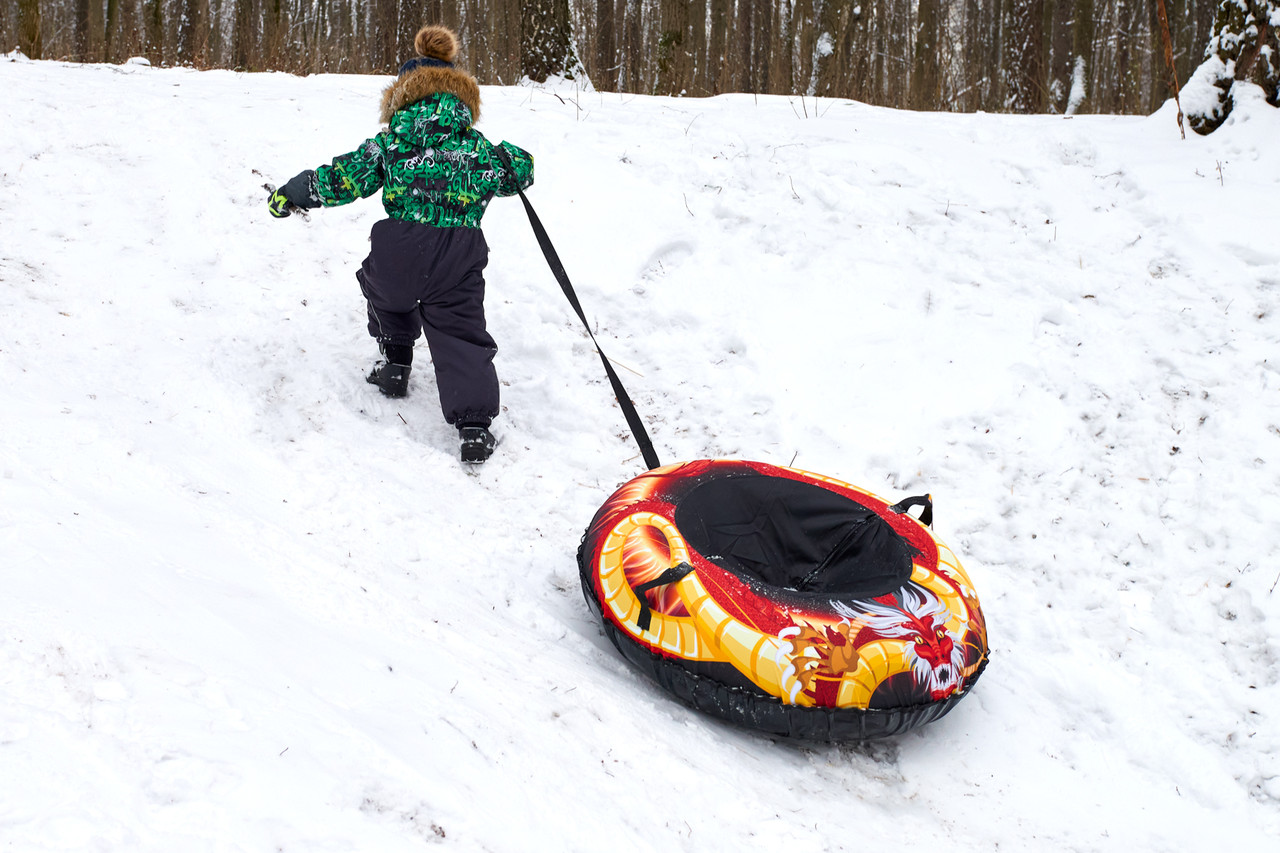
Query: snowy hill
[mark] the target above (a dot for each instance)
(248, 604)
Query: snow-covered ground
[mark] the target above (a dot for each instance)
(250, 605)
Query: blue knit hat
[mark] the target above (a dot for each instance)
(437, 47)
(424, 62)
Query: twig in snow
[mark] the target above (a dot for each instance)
(402, 420)
(623, 366)
(1273, 586)
(1168, 59)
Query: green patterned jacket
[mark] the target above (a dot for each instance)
(433, 167)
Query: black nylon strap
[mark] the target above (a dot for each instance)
(671, 575)
(628, 408)
(926, 501)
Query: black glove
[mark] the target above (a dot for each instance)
(300, 191)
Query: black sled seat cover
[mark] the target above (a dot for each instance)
(784, 600)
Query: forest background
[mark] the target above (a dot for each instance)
(1022, 56)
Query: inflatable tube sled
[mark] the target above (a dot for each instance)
(784, 601)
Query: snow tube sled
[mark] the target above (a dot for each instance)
(784, 601)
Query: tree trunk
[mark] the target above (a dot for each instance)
(546, 43)
(275, 29)
(410, 16)
(831, 49)
(699, 74)
(109, 30)
(971, 80)
(744, 34)
(188, 23)
(632, 47)
(605, 70)
(155, 31)
(762, 47)
(805, 31)
(784, 57)
(242, 34)
(1241, 34)
(1083, 54)
(926, 89)
(718, 47)
(1124, 61)
(1058, 59)
(384, 33)
(1025, 72)
(675, 64)
(84, 39)
(30, 37)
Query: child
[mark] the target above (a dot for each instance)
(425, 270)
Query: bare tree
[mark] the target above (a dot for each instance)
(154, 26)
(718, 46)
(546, 46)
(192, 41)
(926, 80)
(1082, 55)
(109, 30)
(275, 24)
(834, 47)
(30, 35)
(1024, 55)
(82, 48)
(675, 40)
(700, 78)
(1023, 67)
(242, 35)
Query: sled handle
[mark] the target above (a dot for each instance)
(926, 501)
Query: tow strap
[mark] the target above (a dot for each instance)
(628, 408)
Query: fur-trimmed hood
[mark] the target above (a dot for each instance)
(422, 83)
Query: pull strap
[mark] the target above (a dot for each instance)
(926, 501)
(671, 575)
(624, 402)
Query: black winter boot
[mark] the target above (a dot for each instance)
(477, 443)
(392, 379)
(392, 375)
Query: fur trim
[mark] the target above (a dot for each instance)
(425, 82)
(436, 42)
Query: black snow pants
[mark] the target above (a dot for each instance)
(418, 279)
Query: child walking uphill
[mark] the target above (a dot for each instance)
(425, 270)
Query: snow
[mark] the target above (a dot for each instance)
(1078, 88)
(1201, 96)
(251, 605)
